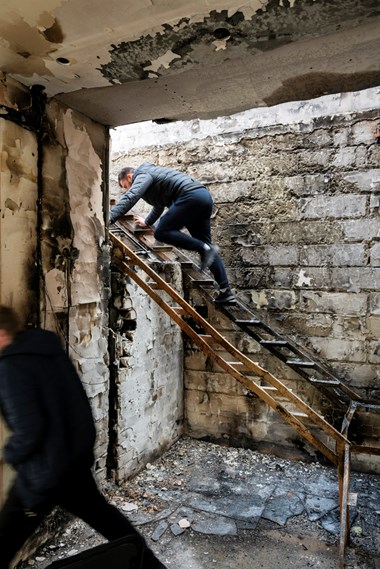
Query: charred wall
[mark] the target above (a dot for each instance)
(296, 194)
(53, 251)
(75, 253)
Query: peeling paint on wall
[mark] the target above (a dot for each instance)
(84, 178)
(303, 279)
(75, 254)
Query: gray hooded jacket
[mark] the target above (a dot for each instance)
(157, 186)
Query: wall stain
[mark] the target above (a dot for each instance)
(54, 34)
(10, 204)
(313, 85)
(31, 44)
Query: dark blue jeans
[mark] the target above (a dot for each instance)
(79, 495)
(192, 210)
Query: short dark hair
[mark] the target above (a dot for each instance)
(9, 320)
(123, 172)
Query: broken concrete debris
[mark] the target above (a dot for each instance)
(200, 495)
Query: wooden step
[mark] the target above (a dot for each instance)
(299, 414)
(154, 285)
(179, 310)
(207, 338)
(162, 248)
(202, 282)
(129, 262)
(237, 365)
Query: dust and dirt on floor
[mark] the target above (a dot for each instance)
(206, 506)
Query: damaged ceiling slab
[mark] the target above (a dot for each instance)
(120, 63)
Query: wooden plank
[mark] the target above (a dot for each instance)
(179, 310)
(154, 285)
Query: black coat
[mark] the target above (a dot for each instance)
(45, 406)
(157, 186)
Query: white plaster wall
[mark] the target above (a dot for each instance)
(150, 381)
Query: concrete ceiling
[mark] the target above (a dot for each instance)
(126, 61)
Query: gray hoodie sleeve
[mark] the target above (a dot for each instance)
(140, 185)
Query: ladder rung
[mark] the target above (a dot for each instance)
(179, 310)
(203, 282)
(207, 338)
(162, 248)
(325, 381)
(299, 414)
(268, 387)
(186, 264)
(154, 285)
(281, 343)
(250, 322)
(300, 363)
(237, 365)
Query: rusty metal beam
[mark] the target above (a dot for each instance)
(344, 473)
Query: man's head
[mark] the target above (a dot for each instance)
(9, 326)
(125, 177)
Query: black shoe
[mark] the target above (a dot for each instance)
(225, 297)
(208, 256)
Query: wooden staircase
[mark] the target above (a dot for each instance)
(137, 248)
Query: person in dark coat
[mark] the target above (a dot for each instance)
(52, 436)
(189, 205)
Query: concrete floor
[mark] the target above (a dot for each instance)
(203, 506)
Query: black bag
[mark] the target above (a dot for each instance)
(124, 553)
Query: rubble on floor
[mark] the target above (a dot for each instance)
(208, 506)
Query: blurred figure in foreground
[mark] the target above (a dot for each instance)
(45, 406)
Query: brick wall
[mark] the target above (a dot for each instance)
(297, 220)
